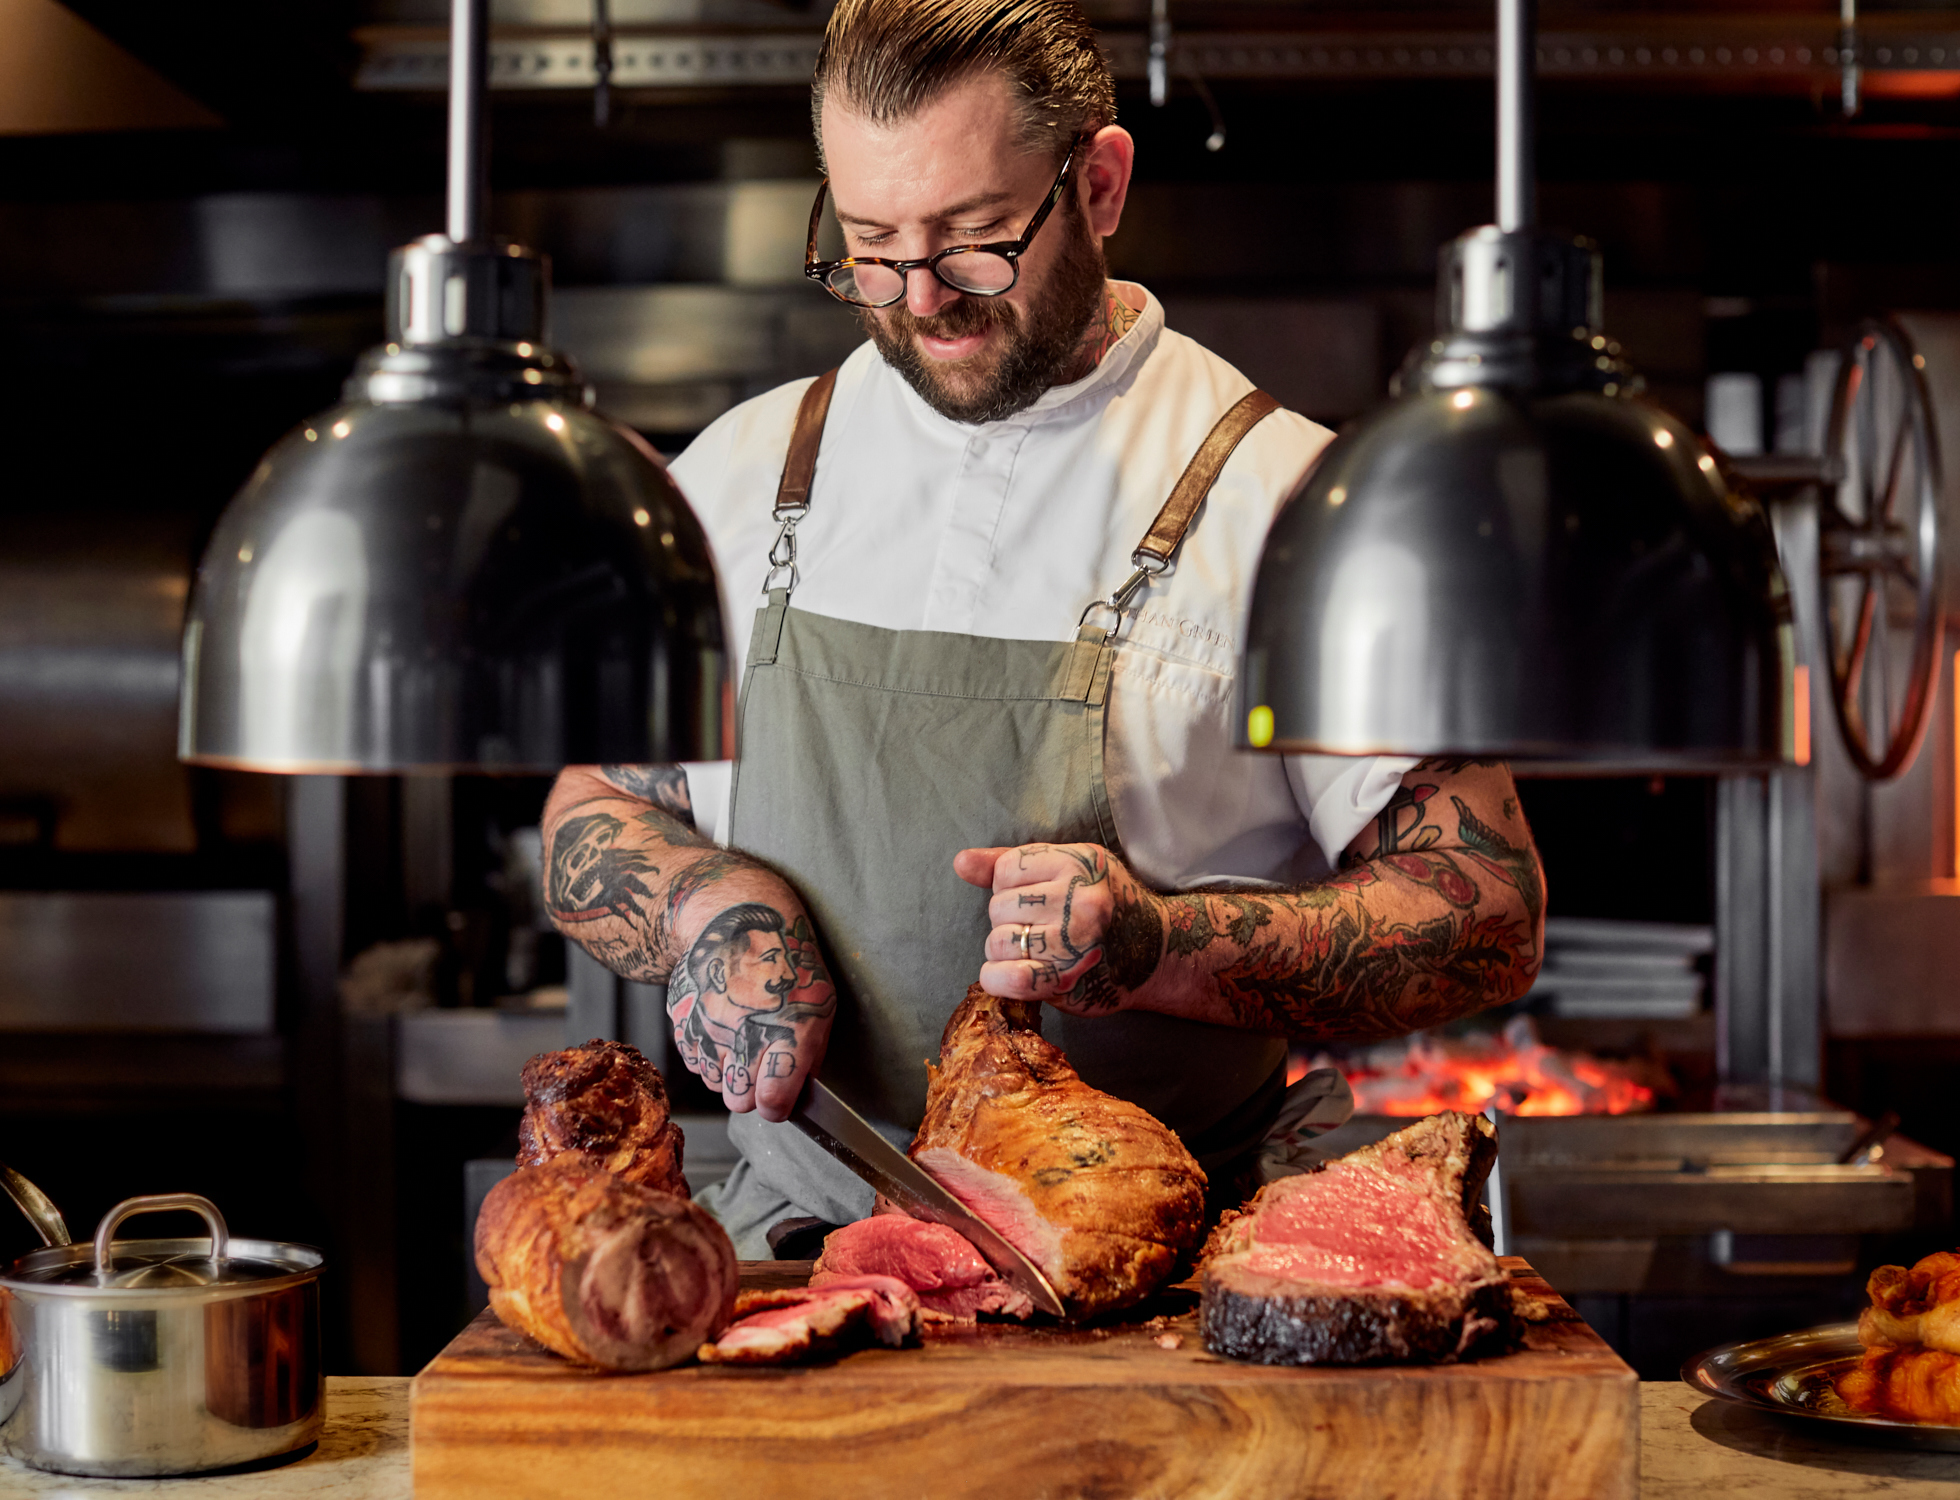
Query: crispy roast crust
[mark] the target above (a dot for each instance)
(605, 1101)
(1266, 1321)
(604, 1271)
(1250, 1315)
(1120, 1199)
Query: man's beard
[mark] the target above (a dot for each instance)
(1034, 352)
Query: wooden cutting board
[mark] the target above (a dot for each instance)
(1013, 1413)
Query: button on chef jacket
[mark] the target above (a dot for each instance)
(1007, 529)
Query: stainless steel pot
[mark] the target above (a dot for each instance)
(144, 1357)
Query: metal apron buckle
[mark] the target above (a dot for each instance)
(782, 553)
(1149, 566)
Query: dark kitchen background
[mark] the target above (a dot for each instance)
(308, 998)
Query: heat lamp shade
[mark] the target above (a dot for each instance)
(425, 585)
(1477, 572)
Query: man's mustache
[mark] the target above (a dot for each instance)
(964, 316)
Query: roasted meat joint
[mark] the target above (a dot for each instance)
(1372, 1259)
(1103, 1198)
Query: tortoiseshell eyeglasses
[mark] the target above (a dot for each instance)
(977, 270)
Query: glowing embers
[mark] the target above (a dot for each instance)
(1511, 1069)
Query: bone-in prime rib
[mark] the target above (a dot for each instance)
(605, 1271)
(1092, 1189)
(1369, 1260)
(954, 1284)
(605, 1101)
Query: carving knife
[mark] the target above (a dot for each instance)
(848, 1136)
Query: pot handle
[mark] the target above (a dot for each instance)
(129, 1208)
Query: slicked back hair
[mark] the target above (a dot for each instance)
(890, 58)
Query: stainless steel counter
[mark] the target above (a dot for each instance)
(1690, 1448)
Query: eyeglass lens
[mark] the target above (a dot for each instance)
(975, 271)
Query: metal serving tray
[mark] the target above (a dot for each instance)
(1795, 1376)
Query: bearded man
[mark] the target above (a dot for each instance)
(1002, 557)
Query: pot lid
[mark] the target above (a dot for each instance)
(150, 1265)
(160, 1265)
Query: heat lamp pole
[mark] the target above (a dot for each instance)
(1517, 66)
(469, 55)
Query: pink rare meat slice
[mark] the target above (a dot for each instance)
(953, 1282)
(777, 1327)
(1347, 1226)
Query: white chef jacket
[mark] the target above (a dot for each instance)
(1008, 528)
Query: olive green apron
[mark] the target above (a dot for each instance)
(868, 758)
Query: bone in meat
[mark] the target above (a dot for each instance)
(1370, 1260)
(1095, 1191)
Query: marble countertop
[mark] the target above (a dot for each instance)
(363, 1455)
(1690, 1448)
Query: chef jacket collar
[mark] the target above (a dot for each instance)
(1061, 401)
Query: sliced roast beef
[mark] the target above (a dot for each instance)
(1370, 1260)
(606, 1102)
(1092, 1189)
(778, 1327)
(605, 1271)
(953, 1282)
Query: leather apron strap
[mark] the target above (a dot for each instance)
(1154, 554)
(800, 468)
(793, 490)
(1160, 542)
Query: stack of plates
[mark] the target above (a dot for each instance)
(1597, 968)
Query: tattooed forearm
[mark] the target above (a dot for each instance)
(748, 992)
(619, 875)
(1196, 920)
(664, 786)
(1351, 973)
(1437, 913)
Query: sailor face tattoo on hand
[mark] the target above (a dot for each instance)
(737, 999)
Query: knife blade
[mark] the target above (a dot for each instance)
(854, 1141)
